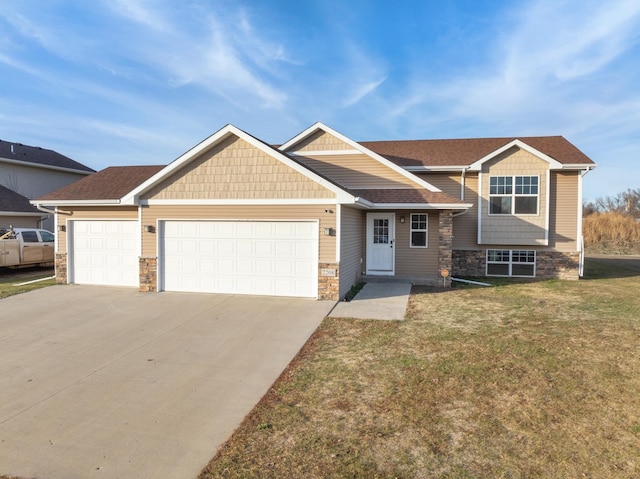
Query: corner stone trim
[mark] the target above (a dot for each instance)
(148, 275)
(328, 282)
(61, 268)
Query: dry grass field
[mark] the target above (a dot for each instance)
(522, 380)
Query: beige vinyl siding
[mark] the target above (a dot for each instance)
(235, 169)
(152, 214)
(465, 226)
(20, 221)
(412, 261)
(515, 229)
(563, 222)
(416, 261)
(351, 247)
(320, 140)
(449, 183)
(357, 171)
(92, 213)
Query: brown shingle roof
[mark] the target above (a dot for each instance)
(10, 201)
(39, 156)
(409, 195)
(109, 184)
(463, 152)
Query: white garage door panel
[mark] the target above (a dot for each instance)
(276, 258)
(104, 253)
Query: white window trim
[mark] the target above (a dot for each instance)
(426, 231)
(510, 263)
(513, 196)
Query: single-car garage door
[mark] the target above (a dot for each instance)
(104, 252)
(274, 258)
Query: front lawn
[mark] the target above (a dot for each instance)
(9, 279)
(520, 380)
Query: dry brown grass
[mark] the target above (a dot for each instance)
(611, 233)
(520, 380)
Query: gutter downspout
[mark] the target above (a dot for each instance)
(462, 184)
(580, 239)
(44, 209)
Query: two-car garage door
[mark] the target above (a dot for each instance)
(275, 258)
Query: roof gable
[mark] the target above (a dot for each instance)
(352, 147)
(233, 169)
(224, 133)
(39, 157)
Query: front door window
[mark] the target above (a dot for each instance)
(380, 231)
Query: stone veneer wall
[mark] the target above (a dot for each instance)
(328, 281)
(445, 243)
(148, 274)
(549, 264)
(61, 268)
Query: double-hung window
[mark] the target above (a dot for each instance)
(418, 234)
(513, 195)
(504, 262)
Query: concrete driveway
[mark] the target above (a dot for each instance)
(111, 383)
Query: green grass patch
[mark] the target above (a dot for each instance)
(9, 279)
(520, 380)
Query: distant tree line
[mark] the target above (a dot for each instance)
(612, 224)
(626, 203)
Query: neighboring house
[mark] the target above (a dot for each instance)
(30, 172)
(320, 212)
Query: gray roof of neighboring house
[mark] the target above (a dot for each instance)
(38, 156)
(13, 202)
(464, 152)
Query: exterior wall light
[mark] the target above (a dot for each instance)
(62, 228)
(149, 229)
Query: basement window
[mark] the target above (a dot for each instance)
(418, 234)
(504, 262)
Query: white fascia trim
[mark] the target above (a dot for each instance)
(480, 206)
(324, 152)
(75, 202)
(414, 206)
(232, 202)
(578, 166)
(131, 197)
(338, 231)
(548, 207)
(361, 149)
(436, 168)
(46, 167)
(553, 164)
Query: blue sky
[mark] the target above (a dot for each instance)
(121, 82)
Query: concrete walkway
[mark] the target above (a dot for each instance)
(104, 383)
(376, 301)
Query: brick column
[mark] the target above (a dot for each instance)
(61, 268)
(328, 281)
(148, 274)
(445, 240)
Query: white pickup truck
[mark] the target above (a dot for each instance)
(20, 247)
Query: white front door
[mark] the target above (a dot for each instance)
(380, 243)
